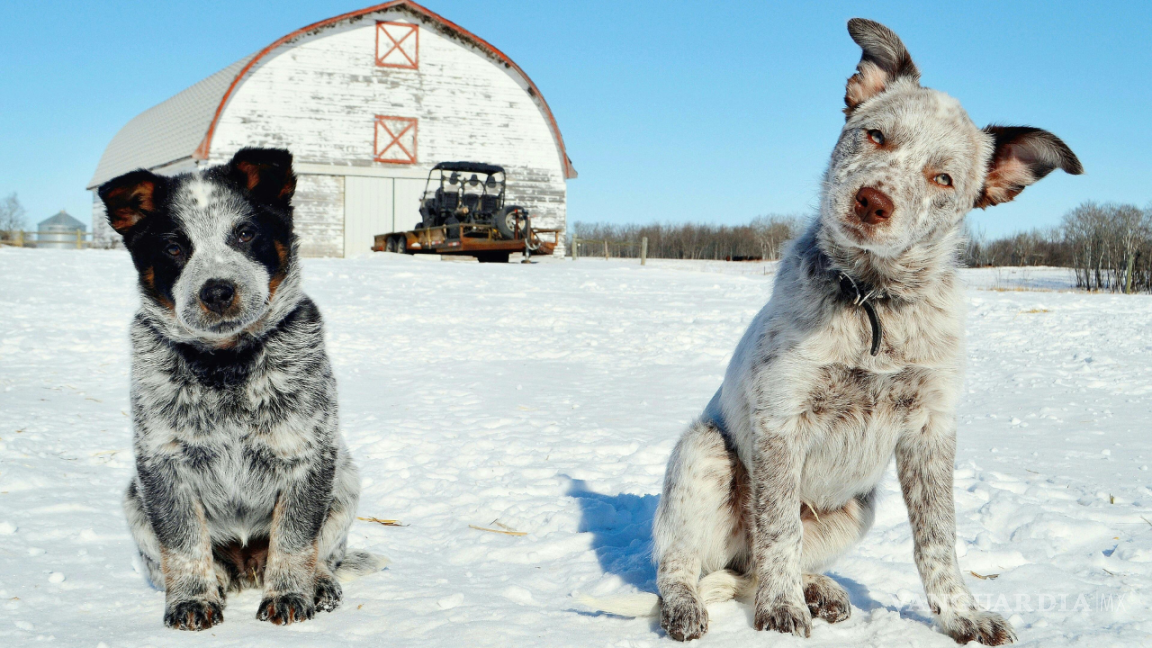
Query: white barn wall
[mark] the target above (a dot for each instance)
(318, 96)
(318, 214)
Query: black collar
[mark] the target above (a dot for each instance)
(855, 292)
(861, 294)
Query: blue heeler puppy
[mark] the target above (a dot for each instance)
(242, 478)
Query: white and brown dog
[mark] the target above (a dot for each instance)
(856, 358)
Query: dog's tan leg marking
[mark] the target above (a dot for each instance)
(290, 573)
(193, 597)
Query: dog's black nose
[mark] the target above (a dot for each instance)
(873, 206)
(217, 295)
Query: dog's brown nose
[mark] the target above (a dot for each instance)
(873, 206)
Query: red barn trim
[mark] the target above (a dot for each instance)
(397, 45)
(394, 135)
(204, 149)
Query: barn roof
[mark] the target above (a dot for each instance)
(183, 126)
(167, 132)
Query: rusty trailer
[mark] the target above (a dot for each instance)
(473, 239)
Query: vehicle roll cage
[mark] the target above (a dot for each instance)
(451, 180)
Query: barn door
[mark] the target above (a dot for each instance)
(407, 206)
(367, 212)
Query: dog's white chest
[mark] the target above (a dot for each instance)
(851, 420)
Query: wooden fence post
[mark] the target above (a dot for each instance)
(575, 247)
(605, 249)
(643, 250)
(79, 240)
(19, 238)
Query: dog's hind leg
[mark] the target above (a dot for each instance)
(141, 529)
(335, 559)
(699, 527)
(827, 535)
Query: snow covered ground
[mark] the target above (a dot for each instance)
(546, 399)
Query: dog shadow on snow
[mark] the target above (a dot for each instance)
(621, 528)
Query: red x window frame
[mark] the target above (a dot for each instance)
(381, 121)
(393, 45)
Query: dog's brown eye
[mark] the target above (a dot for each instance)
(943, 179)
(245, 234)
(173, 250)
(876, 136)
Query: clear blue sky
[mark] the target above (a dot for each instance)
(672, 111)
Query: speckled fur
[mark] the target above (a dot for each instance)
(778, 477)
(242, 478)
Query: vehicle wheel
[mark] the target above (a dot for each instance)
(390, 244)
(400, 245)
(506, 221)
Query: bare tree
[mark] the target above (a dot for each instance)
(11, 216)
(1131, 231)
(773, 231)
(1110, 246)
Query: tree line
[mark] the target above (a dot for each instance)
(1107, 245)
(763, 238)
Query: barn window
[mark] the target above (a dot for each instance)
(395, 140)
(397, 45)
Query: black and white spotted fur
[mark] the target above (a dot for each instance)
(779, 475)
(242, 477)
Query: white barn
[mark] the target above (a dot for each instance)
(367, 102)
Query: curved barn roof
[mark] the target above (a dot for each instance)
(183, 126)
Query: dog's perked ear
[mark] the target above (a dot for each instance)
(130, 198)
(883, 62)
(266, 174)
(1022, 156)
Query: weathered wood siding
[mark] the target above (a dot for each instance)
(318, 96)
(318, 214)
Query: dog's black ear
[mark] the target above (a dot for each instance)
(130, 198)
(1022, 156)
(266, 174)
(884, 61)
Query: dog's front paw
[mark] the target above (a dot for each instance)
(784, 616)
(683, 617)
(193, 615)
(983, 627)
(328, 594)
(826, 599)
(283, 609)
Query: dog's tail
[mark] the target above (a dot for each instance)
(717, 587)
(359, 563)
